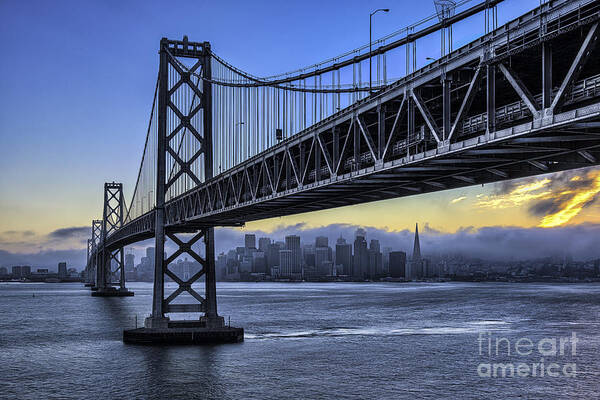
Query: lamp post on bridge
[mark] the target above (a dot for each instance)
(371, 46)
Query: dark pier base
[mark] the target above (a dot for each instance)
(89, 285)
(183, 333)
(111, 292)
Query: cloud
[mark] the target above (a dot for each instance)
(74, 258)
(458, 199)
(71, 232)
(26, 233)
(556, 199)
(498, 243)
(490, 243)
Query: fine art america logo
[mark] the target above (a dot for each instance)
(549, 355)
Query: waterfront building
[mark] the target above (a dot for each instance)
(415, 267)
(343, 256)
(360, 263)
(62, 269)
(292, 243)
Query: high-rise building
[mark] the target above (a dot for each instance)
(272, 256)
(415, 270)
(321, 241)
(263, 244)
(375, 259)
(250, 241)
(286, 268)
(360, 264)
(343, 256)
(129, 262)
(398, 264)
(221, 267)
(259, 262)
(292, 243)
(386, 259)
(322, 262)
(3, 271)
(62, 269)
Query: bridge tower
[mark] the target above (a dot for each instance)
(176, 119)
(89, 272)
(94, 256)
(112, 220)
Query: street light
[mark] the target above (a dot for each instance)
(370, 46)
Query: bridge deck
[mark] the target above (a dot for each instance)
(400, 141)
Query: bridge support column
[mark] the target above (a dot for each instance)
(112, 221)
(176, 118)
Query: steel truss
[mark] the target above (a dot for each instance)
(112, 265)
(96, 256)
(174, 118)
(416, 136)
(483, 113)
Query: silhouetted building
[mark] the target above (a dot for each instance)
(321, 241)
(221, 267)
(415, 267)
(62, 269)
(129, 262)
(250, 241)
(259, 262)
(272, 256)
(322, 262)
(398, 264)
(360, 263)
(292, 243)
(263, 244)
(386, 259)
(375, 259)
(343, 256)
(3, 271)
(22, 271)
(286, 265)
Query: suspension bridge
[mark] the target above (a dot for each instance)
(224, 147)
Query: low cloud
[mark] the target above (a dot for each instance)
(74, 258)
(489, 243)
(71, 232)
(22, 234)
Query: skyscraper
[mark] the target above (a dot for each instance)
(62, 269)
(292, 243)
(375, 259)
(321, 241)
(250, 241)
(343, 256)
(129, 262)
(286, 269)
(263, 244)
(361, 255)
(322, 262)
(398, 264)
(415, 269)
